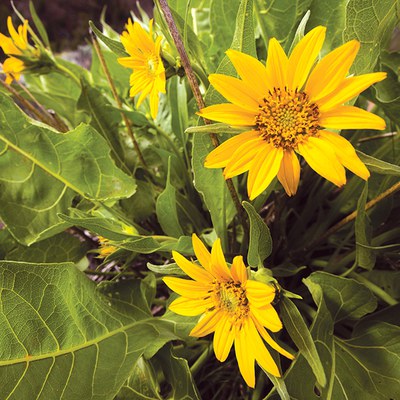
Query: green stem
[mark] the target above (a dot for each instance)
(374, 289)
(204, 356)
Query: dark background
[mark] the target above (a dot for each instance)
(66, 21)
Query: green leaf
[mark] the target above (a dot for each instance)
(141, 385)
(149, 244)
(104, 118)
(166, 209)
(280, 18)
(58, 331)
(260, 244)
(209, 182)
(372, 25)
(389, 281)
(59, 248)
(177, 372)
(299, 333)
(47, 170)
(177, 97)
(365, 256)
(115, 46)
(39, 25)
(344, 297)
(167, 269)
(379, 166)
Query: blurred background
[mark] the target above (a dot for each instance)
(66, 22)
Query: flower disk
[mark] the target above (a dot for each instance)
(289, 105)
(236, 308)
(148, 76)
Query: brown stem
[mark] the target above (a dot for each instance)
(25, 103)
(117, 99)
(196, 90)
(353, 215)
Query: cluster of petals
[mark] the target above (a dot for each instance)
(148, 76)
(291, 105)
(15, 45)
(237, 309)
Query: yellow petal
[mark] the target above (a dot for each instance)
(263, 171)
(220, 156)
(277, 63)
(238, 270)
(348, 89)
(271, 342)
(223, 338)
(235, 91)
(289, 172)
(349, 117)
(230, 114)
(190, 307)
(268, 317)
(321, 157)
(244, 156)
(252, 72)
(194, 271)
(187, 288)
(331, 70)
(259, 294)
(202, 254)
(154, 103)
(245, 354)
(263, 356)
(206, 324)
(218, 262)
(303, 57)
(346, 154)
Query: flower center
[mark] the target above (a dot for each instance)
(151, 65)
(230, 297)
(287, 117)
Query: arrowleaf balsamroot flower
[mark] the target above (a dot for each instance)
(17, 44)
(236, 308)
(290, 104)
(148, 76)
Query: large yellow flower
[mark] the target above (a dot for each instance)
(236, 308)
(148, 76)
(17, 44)
(288, 105)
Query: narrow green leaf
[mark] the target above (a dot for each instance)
(149, 244)
(260, 244)
(379, 166)
(365, 256)
(298, 331)
(39, 25)
(215, 128)
(167, 269)
(115, 46)
(67, 165)
(179, 108)
(279, 385)
(166, 210)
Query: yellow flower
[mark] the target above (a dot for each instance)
(105, 248)
(148, 76)
(17, 45)
(236, 308)
(288, 104)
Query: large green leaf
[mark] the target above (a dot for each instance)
(371, 22)
(210, 182)
(62, 339)
(41, 171)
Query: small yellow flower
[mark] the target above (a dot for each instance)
(105, 248)
(287, 105)
(148, 76)
(236, 308)
(17, 45)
